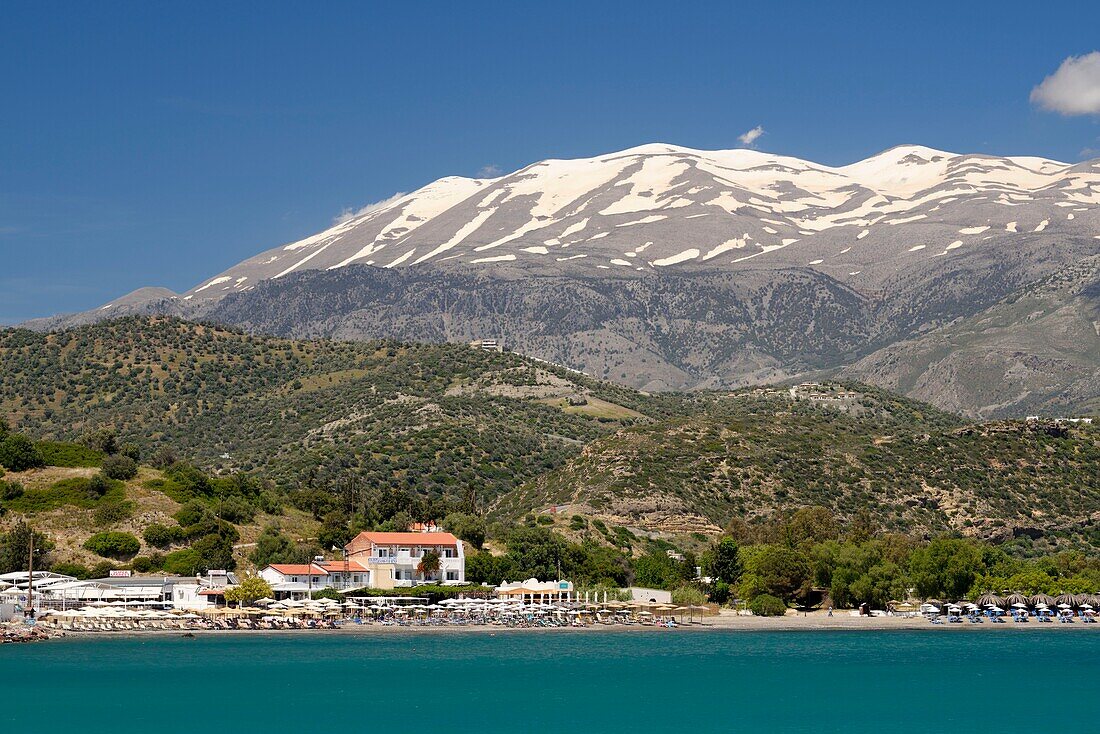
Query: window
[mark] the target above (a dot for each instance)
(450, 553)
(294, 579)
(452, 575)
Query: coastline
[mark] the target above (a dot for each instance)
(727, 622)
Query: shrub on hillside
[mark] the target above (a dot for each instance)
(274, 547)
(192, 513)
(112, 511)
(72, 569)
(120, 467)
(10, 490)
(766, 605)
(145, 564)
(18, 453)
(113, 544)
(467, 527)
(162, 536)
(104, 441)
(98, 485)
(184, 562)
(162, 458)
(58, 453)
(235, 509)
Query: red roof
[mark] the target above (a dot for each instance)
(406, 538)
(212, 592)
(338, 566)
(298, 569)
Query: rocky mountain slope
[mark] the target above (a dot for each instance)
(1035, 352)
(669, 268)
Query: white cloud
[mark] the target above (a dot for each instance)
(350, 213)
(749, 137)
(491, 170)
(1072, 90)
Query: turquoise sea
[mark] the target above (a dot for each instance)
(696, 682)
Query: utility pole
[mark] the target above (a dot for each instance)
(30, 574)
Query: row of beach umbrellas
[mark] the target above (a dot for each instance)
(1019, 601)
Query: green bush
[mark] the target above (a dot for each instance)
(184, 562)
(685, 595)
(766, 605)
(192, 513)
(145, 564)
(104, 441)
(113, 511)
(18, 453)
(719, 592)
(162, 536)
(59, 453)
(120, 467)
(72, 569)
(162, 458)
(10, 490)
(77, 491)
(98, 486)
(235, 510)
(113, 544)
(274, 547)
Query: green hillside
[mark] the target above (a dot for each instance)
(749, 456)
(356, 434)
(443, 420)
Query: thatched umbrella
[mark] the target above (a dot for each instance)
(935, 603)
(987, 599)
(1015, 598)
(1042, 599)
(1068, 599)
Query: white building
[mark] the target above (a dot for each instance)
(55, 591)
(393, 560)
(533, 591)
(297, 580)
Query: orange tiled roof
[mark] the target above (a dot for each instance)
(405, 539)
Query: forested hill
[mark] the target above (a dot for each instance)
(743, 458)
(439, 419)
(510, 436)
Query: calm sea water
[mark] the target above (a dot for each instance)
(579, 682)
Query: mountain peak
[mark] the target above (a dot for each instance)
(658, 205)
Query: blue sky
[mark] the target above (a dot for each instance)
(156, 144)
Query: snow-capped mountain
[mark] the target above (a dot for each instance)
(662, 206)
(972, 281)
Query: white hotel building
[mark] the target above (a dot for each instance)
(376, 561)
(393, 559)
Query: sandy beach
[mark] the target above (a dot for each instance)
(726, 621)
